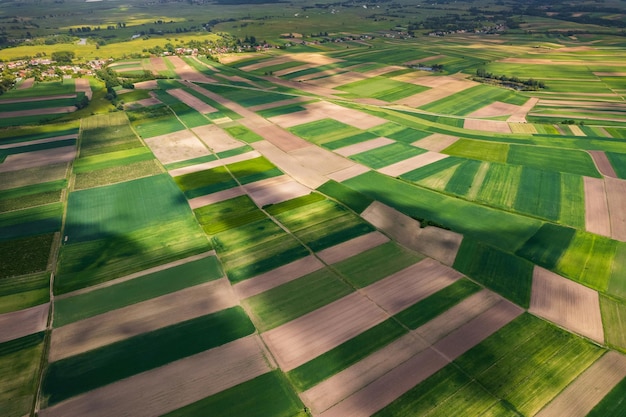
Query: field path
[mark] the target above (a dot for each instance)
(172, 386)
(146, 316)
(579, 398)
(597, 219)
(21, 323)
(566, 303)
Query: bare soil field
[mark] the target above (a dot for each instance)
(351, 117)
(36, 99)
(177, 146)
(352, 247)
(597, 219)
(27, 83)
(439, 244)
(495, 109)
(566, 303)
(83, 86)
(410, 285)
(576, 130)
(320, 159)
(158, 64)
(346, 174)
(192, 101)
(347, 382)
(298, 118)
(363, 146)
(602, 163)
(36, 142)
(278, 276)
(441, 87)
(275, 190)
(283, 139)
(171, 386)
(146, 102)
(520, 115)
(21, 323)
(147, 85)
(37, 112)
(579, 398)
(616, 198)
(384, 70)
(216, 163)
(187, 73)
(487, 125)
(143, 317)
(412, 163)
(610, 74)
(457, 316)
(205, 200)
(216, 138)
(309, 336)
(436, 142)
(41, 158)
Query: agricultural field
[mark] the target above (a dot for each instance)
(302, 210)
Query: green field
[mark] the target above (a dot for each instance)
(323, 131)
(539, 194)
(31, 221)
(555, 159)
(484, 151)
(31, 195)
(472, 99)
(252, 170)
(205, 182)
(613, 404)
(346, 196)
(154, 121)
(618, 161)
(228, 214)
(24, 291)
(387, 155)
(382, 88)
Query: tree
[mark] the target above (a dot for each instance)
(63, 57)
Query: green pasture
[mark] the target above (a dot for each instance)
(70, 309)
(69, 377)
(572, 201)
(243, 134)
(528, 362)
(345, 195)
(538, 71)
(209, 181)
(546, 247)
(616, 132)
(492, 226)
(222, 112)
(406, 135)
(461, 182)
(348, 140)
(427, 309)
(247, 97)
(321, 69)
(115, 174)
(31, 221)
(20, 292)
(236, 151)
(30, 120)
(382, 88)
(618, 161)
(617, 282)
(390, 55)
(228, 214)
(266, 395)
(612, 404)
(254, 248)
(190, 117)
(539, 194)
(134, 95)
(24, 255)
(154, 121)
(20, 360)
(500, 186)
(323, 224)
(31, 195)
(289, 301)
(472, 99)
(294, 203)
(107, 133)
(348, 353)
(42, 89)
(325, 130)
(375, 264)
(387, 155)
(483, 151)
(269, 69)
(505, 273)
(252, 170)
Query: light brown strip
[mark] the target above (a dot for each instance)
(21, 323)
(410, 164)
(597, 218)
(352, 247)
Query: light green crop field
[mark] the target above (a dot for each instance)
(382, 88)
(472, 99)
(205, 182)
(387, 155)
(484, 151)
(325, 130)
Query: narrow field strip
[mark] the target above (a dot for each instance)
(579, 398)
(603, 164)
(275, 190)
(347, 173)
(216, 138)
(21, 323)
(214, 164)
(309, 336)
(35, 159)
(171, 386)
(139, 318)
(410, 285)
(597, 216)
(363, 146)
(348, 116)
(342, 385)
(38, 141)
(217, 197)
(566, 303)
(276, 277)
(352, 247)
(616, 198)
(192, 101)
(487, 125)
(436, 142)
(411, 164)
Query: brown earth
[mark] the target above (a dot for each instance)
(338, 80)
(566, 303)
(192, 101)
(616, 199)
(36, 142)
(579, 398)
(315, 333)
(172, 386)
(21, 323)
(41, 158)
(412, 163)
(82, 85)
(410, 285)
(27, 83)
(216, 138)
(276, 277)
(214, 164)
(150, 315)
(440, 87)
(602, 163)
(147, 85)
(436, 142)
(352, 247)
(495, 109)
(213, 198)
(597, 219)
(350, 117)
(346, 174)
(146, 102)
(297, 118)
(520, 115)
(368, 145)
(487, 125)
(177, 146)
(275, 190)
(188, 73)
(158, 64)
